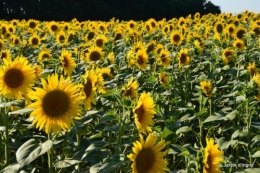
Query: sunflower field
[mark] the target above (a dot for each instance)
(179, 95)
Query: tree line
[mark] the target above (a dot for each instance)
(65, 10)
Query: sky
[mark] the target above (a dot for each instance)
(237, 6)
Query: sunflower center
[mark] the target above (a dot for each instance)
(13, 78)
(66, 62)
(140, 60)
(118, 36)
(209, 163)
(150, 48)
(88, 87)
(183, 58)
(70, 37)
(62, 38)
(132, 25)
(99, 42)
(91, 35)
(163, 58)
(3, 55)
(145, 160)
(128, 92)
(219, 28)
(163, 80)
(54, 28)
(238, 45)
(228, 53)
(16, 41)
(105, 76)
(176, 38)
(35, 41)
(95, 56)
(240, 34)
(55, 103)
(140, 113)
(257, 31)
(32, 25)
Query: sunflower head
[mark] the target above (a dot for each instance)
(206, 87)
(95, 54)
(5, 54)
(144, 113)
(44, 54)
(164, 58)
(252, 68)
(61, 38)
(239, 44)
(141, 59)
(163, 78)
(212, 157)
(219, 27)
(176, 38)
(56, 104)
(67, 61)
(34, 40)
(228, 55)
(183, 57)
(240, 32)
(148, 156)
(100, 40)
(16, 77)
(130, 90)
(53, 27)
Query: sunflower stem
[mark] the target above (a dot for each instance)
(6, 121)
(50, 155)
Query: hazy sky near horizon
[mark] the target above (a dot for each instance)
(237, 6)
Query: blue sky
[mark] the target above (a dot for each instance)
(236, 6)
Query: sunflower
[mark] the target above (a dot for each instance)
(32, 24)
(206, 87)
(5, 54)
(130, 90)
(212, 157)
(53, 27)
(240, 32)
(252, 68)
(163, 78)
(2, 44)
(183, 57)
(176, 38)
(16, 77)
(131, 58)
(150, 47)
(106, 73)
(45, 54)
(56, 104)
(68, 63)
(4, 29)
(111, 57)
(144, 113)
(138, 46)
(159, 48)
(37, 70)
(100, 40)
(131, 24)
(118, 35)
(89, 90)
(90, 35)
(219, 27)
(148, 156)
(239, 44)
(255, 30)
(34, 40)
(94, 54)
(15, 40)
(141, 59)
(165, 58)
(61, 38)
(228, 55)
(70, 37)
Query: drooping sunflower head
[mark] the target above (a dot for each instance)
(56, 104)
(147, 156)
(144, 113)
(252, 68)
(141, 59)
(89, 88)
(130, 90)
(163, 78)
(228, 55)
(16, 77)
(95, 54)
(206, 87)
(183, 57)
(176, 38)
(212, 157)
(67, 61)
(34, 40)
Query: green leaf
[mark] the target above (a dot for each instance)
(214, 118)
(11, 168)
(184, 153)
(257, 154)
(31, 150)
(12, 103)
(201, 112)
(231, 115)
(183, 129)
(166, 132)
(97, 135)
(92, 147)
(252, 170)
(240, 99)
(107, 117)
(256, 125)
(66, 163)
(22, 111)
